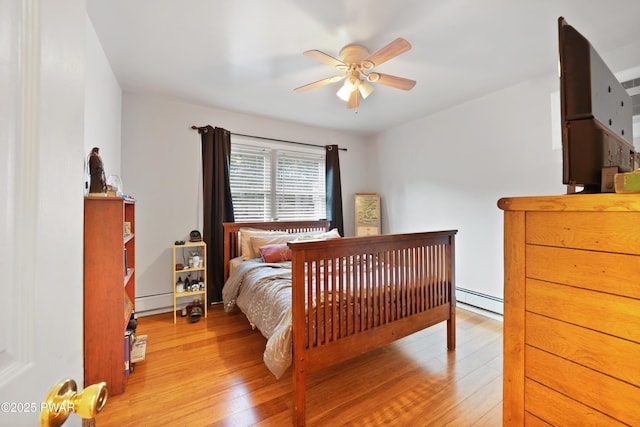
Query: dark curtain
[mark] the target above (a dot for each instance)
(334, 188)
(218, 206)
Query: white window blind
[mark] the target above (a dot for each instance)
(271, 182)
(250, 180)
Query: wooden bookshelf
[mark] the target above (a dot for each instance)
(109, 288)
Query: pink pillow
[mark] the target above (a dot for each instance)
(278, 252)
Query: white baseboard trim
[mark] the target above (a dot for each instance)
(154, 304)
(481, 312)
(158, 304)
(480, 300)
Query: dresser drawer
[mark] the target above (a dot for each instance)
(543, 403)
(582, 385)
(601, 352)
(610, 314)
(602, 271)
(600, 231)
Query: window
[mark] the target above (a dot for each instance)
(271, 181)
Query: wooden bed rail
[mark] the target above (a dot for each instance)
(352, 295)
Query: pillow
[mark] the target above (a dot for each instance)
(278, 252)
(259, 241)
(245, 240)
(332, 234)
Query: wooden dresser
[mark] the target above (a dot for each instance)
(572, 310)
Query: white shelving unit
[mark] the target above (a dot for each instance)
(181, 254)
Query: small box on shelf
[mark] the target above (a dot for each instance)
(628, 182)
(128, 308)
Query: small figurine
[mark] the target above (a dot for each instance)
(96, 170)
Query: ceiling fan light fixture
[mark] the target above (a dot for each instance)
(357, 64)
(344, 92)
(365, 89)
(352, 82)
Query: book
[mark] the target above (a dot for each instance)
(139, 349)
(126, 263)
(127, 352)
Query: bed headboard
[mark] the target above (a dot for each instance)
(232, 234)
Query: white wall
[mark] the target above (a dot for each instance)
(627, 60)
(465, 159)
(103, 107)
(161, 168)
(448, 170)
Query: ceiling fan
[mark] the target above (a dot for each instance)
(356, 65)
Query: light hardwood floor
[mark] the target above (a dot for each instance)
(211, 373)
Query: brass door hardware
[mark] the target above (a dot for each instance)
(64, 399)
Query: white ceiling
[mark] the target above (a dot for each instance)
(246, 55)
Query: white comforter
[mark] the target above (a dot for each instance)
(263, 292)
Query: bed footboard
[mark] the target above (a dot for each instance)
(352, 295)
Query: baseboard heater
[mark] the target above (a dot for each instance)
(480, 300)
(163, 303)
(155, 304)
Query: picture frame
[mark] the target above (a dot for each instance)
(367, 214)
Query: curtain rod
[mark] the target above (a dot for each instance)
(271, 139)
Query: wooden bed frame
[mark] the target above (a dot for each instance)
(374, 290)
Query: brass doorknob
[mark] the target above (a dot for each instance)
(64, 399)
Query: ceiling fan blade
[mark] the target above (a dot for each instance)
(319, 83)
(390, 51)
(354, 99)
(323, 57)
(395, 82)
